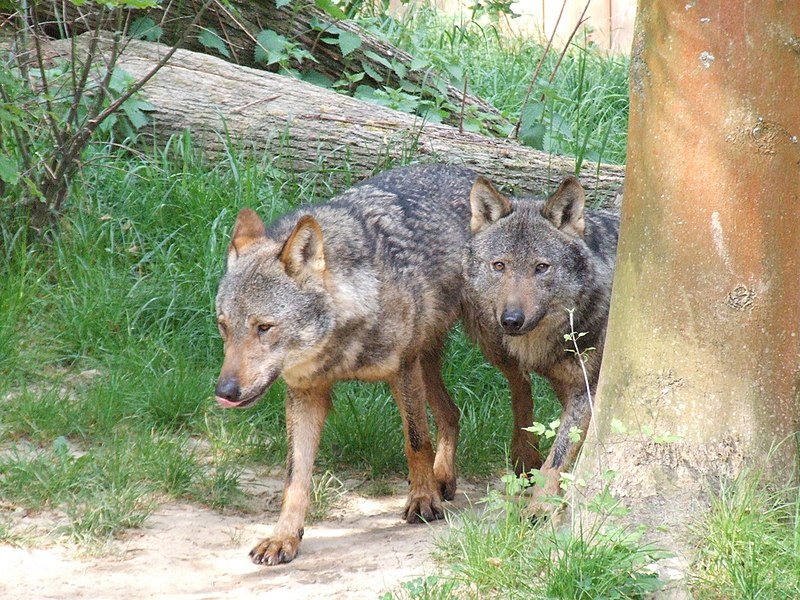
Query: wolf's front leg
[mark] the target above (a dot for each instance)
(524, 445)
(305, 415)
(575, 420)
(424, 498)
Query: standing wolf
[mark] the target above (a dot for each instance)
(528, 263)
(364, 287)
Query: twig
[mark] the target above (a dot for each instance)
(77, 140)
(463, 105)
(57, 133)
(580, 22)
(85, 70)
(239, 109)
(574, 338)
(515, 133)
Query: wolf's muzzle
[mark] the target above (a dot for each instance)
(228, 389)
(512, 320)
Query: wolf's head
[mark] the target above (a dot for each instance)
(272, 307)
(527, 260)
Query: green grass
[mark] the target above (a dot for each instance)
(499, 553)
(749, 542)
(583, 113)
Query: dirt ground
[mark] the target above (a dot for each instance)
(362, 549)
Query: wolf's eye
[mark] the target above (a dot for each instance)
(264, 327)
(498, 266)
(541, 268)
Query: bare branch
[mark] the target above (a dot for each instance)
(580, 22)
(79, 139)
(539, 66)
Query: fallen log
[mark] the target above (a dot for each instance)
(237, 24)
(305, 125)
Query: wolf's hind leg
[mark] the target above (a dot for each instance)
(446, 414)
(424, 498)
(305, 415)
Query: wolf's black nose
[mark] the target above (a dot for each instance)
(512, 320)
(228, 389)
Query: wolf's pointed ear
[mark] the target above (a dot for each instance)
(303, 252)
(248, 230)
(564, 207)
(487, 204)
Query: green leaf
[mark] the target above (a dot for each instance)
(317, 78)
(536, 427)
(329, 7)
(561, 126)
(472, 125)
(271, 47)
(134, 110)
(282, 3)
(399, 69)
(371, 72)
(8, 170)
(120, 81)
(531, 133)
(136, 4)
(365, 92)
(455, 71)
(618, 426)
(419, 62)
(609, 474)
(318, 24)
(537, 477)
(378, 58)
(431, 113)
(349, 42)
(210, 40)
(144, 28)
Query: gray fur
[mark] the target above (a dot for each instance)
(528, 263)
(364, 287)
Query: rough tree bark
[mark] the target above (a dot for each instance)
(305, 124)
(704, 334)
(239, 22)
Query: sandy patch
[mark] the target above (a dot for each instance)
(184, 551)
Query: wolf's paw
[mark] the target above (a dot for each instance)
(546, 499)
(422, 508)
(446, 480)
(274, 551)
(447, 488)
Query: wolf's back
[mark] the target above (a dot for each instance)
(409, 222)
(417, 199)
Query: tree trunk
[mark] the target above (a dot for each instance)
(703, 339)
(305, 125)
(237, 25)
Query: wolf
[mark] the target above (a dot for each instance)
(363, 287)
(538, 274)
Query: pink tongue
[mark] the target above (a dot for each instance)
(226, 403)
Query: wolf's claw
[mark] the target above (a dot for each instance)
(273, 552)
(423, 509)
(448, 489)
